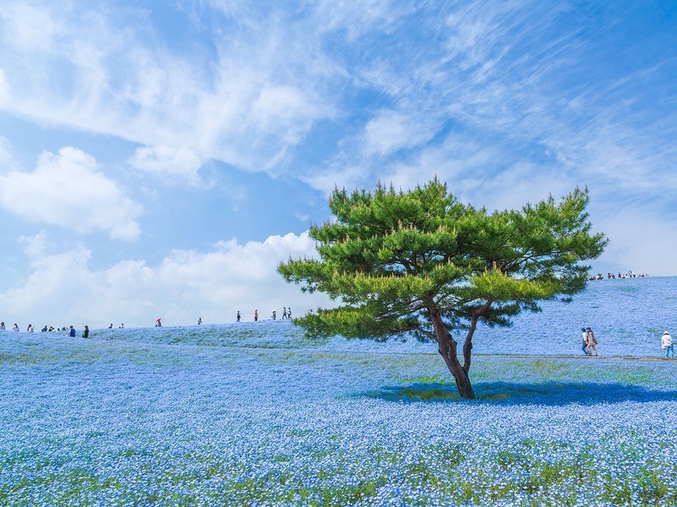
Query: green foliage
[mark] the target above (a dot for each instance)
(393, 259)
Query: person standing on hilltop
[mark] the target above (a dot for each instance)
(256, 315)
(667, 345)
(158, 323)
(238, 317)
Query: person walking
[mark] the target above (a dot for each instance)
(584, 339)
(238, 316)
(592, 342)
(667, 345)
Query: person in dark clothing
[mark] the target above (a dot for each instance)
(86, 332)
(584, 345)
(71, 332)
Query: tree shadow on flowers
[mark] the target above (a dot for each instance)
(517, 393)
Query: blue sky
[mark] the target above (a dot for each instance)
(158, 159)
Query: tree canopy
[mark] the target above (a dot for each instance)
(422, 262)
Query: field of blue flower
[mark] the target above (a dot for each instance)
(256, 414)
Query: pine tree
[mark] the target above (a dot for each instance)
(422, 262)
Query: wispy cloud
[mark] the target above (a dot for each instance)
(261, 94)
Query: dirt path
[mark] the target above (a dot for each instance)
(582, 357)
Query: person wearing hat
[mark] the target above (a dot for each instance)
(585, 342)
(667, 345)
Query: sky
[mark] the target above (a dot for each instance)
(158, 159)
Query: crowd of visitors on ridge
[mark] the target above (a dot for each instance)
(588, 340)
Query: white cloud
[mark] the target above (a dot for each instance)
(26, 26)
(391, 131)
(35, 246)
(173, 165)
(6, 157)
(186, 285)
(67, 190)
(4, 89)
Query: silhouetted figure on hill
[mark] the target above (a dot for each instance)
(238, 316)
(256, 315)
(158, 323)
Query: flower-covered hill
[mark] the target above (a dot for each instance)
(627, 315)
(256, 414)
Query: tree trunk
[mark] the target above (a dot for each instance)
(447, 348)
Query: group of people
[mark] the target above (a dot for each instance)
(589, 342)
(286, 314)
(631, 274)
(46, 329)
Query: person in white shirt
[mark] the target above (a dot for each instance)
(667, 345)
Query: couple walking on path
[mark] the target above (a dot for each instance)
(589, 342)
